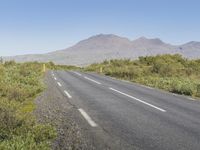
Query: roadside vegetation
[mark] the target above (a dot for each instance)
(20, 84)
(52, 66)
(169, 72)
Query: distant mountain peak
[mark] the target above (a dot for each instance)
(148, 40)
(192, 43)
(142, 38)
(106, 36)
(109, 46)
(157, 41)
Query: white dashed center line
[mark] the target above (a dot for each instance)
(92, 80)
(59, 84)
(68, 95)
(77, 73)
(138, 100)
(87, 118)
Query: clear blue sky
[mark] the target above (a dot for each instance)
(39, 26)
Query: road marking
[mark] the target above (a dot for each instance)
(190, 98)
(92, 80)
(124, 80)
(138, 100)
(59, 84)
(87, 118)
(55, 78)
(77, 73)
(68, 95)
(148, 87)
(180, 96)
(174, 94)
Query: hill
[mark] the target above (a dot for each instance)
(108, 46)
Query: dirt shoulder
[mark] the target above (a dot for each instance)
(52, 107)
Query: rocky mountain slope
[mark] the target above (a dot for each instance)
(107, 46)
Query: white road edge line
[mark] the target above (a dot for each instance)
(190, 98)
(77, 73)
(59, 84)
(68, 95)
(138, 100)
(87, 118)
(148, 87)
(92, 80)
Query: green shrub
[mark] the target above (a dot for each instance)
(20, 84)
(15, 93)
(169, 72)
(26, 142)
(198, 90)
(43, 133)
(8, 120)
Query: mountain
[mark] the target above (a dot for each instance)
(108, 46)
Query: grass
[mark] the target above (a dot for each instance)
(172, 73)
(20, 84)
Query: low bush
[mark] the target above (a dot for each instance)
(169, 72)
(19, 85)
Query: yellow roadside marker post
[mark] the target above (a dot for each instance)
(44, 68)
(101, 69)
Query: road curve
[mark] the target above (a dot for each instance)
(130, 115)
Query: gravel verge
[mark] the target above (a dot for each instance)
(52, 107)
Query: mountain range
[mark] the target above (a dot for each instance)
(108, 46)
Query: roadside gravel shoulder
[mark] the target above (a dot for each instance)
(53, 108)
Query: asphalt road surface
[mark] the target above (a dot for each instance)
(131, 116)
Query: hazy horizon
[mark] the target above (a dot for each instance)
(31, 27)
(53, 50)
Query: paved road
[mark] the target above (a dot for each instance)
(132, 116)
